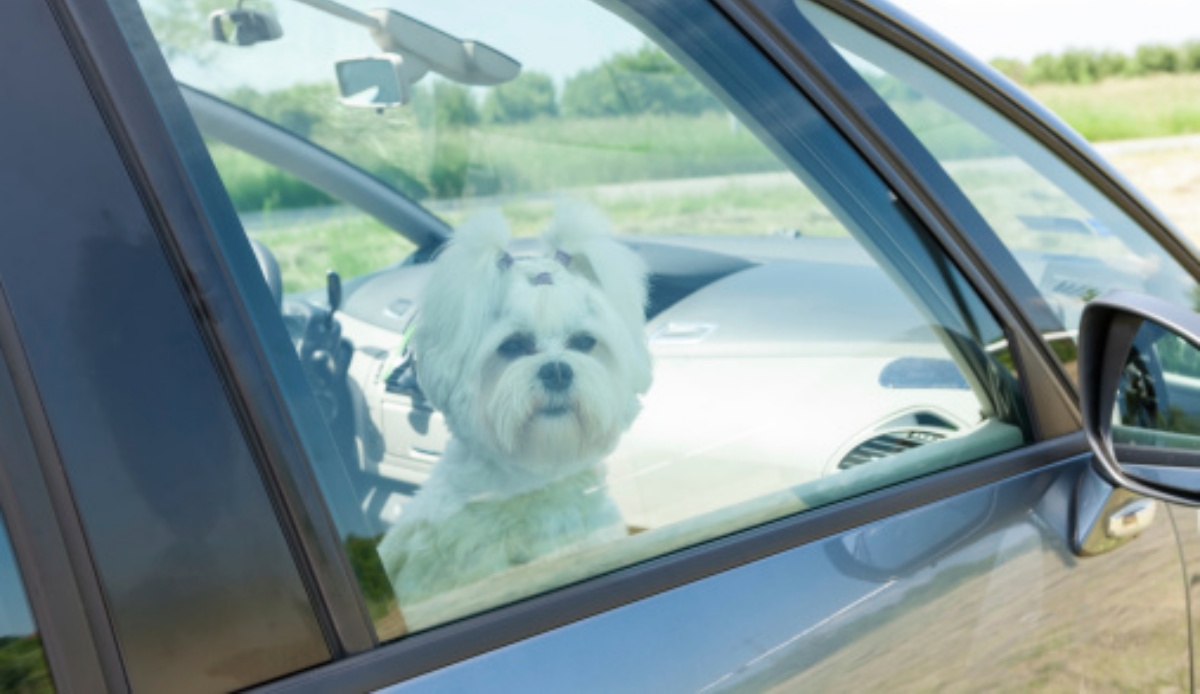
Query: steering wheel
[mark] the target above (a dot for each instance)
(270, 270)
(324, 354)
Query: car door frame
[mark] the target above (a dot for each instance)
(148, 132)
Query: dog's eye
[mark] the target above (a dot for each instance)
(517, 346)
(581, 342)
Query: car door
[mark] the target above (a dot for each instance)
(958, 563)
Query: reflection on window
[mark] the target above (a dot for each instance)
(674, 303)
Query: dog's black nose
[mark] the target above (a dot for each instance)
(556, 376)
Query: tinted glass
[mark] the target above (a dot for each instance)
(637, 296)
(195, 571)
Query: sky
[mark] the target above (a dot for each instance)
(1024, 28)
(564, 36)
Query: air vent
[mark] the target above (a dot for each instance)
(888, 444)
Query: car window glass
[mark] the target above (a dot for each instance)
(631, 295)
(1070, 239)
(22, 661)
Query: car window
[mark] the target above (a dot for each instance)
(1071, 241)
(22, 661)
(611, 289)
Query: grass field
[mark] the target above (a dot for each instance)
(669, 174)
(1126, 109)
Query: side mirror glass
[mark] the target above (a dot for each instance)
(1158, 397)
(1140, 389)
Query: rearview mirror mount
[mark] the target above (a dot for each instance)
(379, 81)
(413, 49)
(465, 61)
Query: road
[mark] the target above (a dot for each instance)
(1167, 171)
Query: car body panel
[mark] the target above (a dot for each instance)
(981, 590)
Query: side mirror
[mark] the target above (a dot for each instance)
(1139, 381)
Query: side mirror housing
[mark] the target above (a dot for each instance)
(1139, 381)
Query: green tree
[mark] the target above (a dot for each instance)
(1156, 58)
(1045, 67)
(1189, 55)
(531, 95)
(299, 108)
(368, 569)
(453, 113)
(1011, 68)
(1111, 64)
(453, 105)
(23, 666)
(632, 83)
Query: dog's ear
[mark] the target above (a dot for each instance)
(467, 276)
(581, 238)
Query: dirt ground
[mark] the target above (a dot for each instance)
(1167, 171)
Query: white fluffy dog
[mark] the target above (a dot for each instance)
(537, 363)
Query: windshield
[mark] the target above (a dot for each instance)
(592, 110)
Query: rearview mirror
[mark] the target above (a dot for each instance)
(414, 49)
(1139, 379)
(243, 27)
(464, 61)
(380, 81)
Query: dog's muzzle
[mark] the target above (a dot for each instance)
(556, 376)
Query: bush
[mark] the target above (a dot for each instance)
(646, 81)
(1085, 66)
(531, 95)
(1156, 58)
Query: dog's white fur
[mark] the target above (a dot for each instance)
(523, 474)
